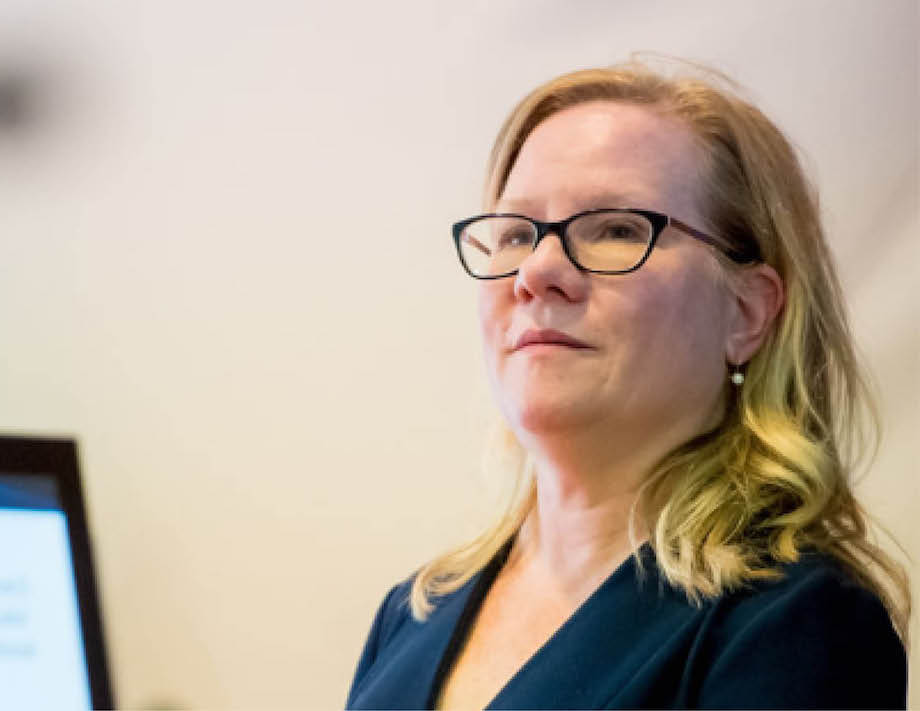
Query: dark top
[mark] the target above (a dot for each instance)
(814, 639)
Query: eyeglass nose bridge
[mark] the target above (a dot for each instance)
(560, 229)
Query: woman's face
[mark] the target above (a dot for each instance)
(656, 337)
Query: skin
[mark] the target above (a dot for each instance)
(596, 420)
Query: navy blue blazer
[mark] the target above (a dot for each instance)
(814, 639)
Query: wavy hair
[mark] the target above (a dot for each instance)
(773, 479)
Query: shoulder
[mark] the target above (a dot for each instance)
(815, 600)
(392, 612)
(815, 638)
(401, 653)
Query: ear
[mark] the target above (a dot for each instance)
(758, 297)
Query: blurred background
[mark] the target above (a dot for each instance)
(225, 267)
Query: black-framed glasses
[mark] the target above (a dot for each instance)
(602, 241)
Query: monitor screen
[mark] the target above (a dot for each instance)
(50, 638)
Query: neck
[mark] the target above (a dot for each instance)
(587, 483)
(580, 520)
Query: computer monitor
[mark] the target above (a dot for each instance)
(51, 643)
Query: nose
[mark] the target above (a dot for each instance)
(547, 272)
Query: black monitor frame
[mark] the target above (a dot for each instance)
(58, 458)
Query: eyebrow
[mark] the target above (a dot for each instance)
(593, 202)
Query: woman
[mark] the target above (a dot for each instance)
(665, 337)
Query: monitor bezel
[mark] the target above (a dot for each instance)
(58, 457)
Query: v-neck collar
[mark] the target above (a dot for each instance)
(476, 594)
(576, 625)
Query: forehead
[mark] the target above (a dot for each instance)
(606, 154)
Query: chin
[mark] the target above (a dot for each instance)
(537, 418)
(537, 401)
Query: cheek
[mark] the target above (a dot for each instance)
(492, 317)
(688, 339)
(644, 313)
(673, 325)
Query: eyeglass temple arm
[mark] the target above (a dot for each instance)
(734, 255)
(469, 239)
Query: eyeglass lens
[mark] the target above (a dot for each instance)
(603, 241)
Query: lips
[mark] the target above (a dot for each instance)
(547, 336)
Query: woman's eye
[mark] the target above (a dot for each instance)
(621, 231)
(514, 239)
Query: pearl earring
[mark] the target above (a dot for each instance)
(737, 376)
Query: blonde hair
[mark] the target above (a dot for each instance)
(773, 478)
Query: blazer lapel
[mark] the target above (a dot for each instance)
(600, 647)
(404, 673)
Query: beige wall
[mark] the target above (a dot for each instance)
(225, 266)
